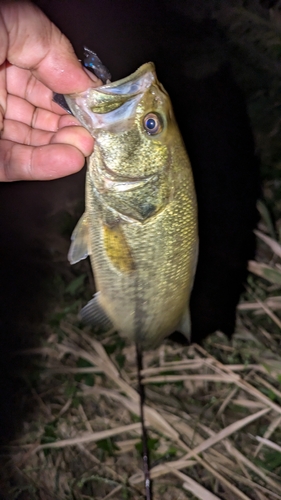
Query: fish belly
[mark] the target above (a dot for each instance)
(146, 302)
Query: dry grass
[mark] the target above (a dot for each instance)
(213, 412)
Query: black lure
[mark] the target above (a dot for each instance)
(92, 62)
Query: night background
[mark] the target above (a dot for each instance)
(220, 63)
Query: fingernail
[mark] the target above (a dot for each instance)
(93, 77)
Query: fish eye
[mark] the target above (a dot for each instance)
(152, 123)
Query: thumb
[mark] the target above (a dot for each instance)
(53, 62)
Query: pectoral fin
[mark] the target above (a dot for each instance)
(117, 248)
(80, 241)
(93, 314)
(184, 325)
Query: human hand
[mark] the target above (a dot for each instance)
(38, 140)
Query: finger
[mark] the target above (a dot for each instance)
(23, 134)
(4, 40)
(20, 82)
(3, 51)
(53, 62)
(76, 136)
(72, 135)
(20, 110)
(3, 92)
(21, 162)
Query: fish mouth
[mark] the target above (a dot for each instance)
(111, 105)
(131, 85)
(106, 179)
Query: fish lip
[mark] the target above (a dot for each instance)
(104, 172)
(143, 71)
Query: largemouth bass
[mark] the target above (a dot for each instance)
(140, 223)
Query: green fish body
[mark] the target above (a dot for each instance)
(140, 223)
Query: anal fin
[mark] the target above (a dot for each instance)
(93, 314)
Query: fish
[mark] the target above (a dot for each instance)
(140, 225)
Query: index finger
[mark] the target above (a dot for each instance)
(21, 83)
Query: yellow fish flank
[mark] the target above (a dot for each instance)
(140, 223)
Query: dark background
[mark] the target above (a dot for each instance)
(191, 58)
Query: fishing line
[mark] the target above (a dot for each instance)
(93, 62)
(145, 450)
